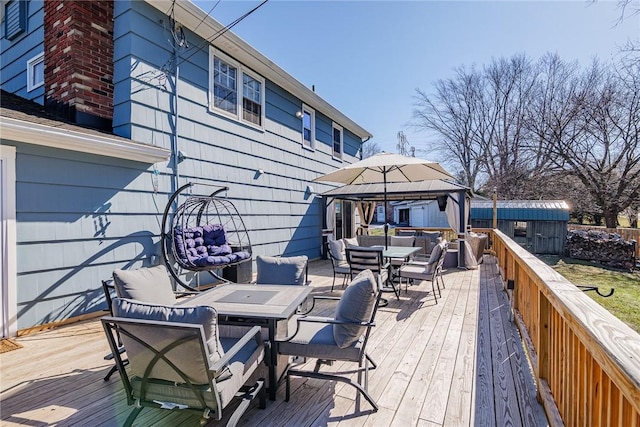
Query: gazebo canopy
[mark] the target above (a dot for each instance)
(420, 190)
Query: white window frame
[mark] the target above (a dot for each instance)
(240, 73)
(337, 155)
(311, 145)
(31, 67)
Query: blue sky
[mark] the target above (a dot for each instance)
(367, 57)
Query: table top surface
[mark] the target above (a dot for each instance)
(252, 301)
(399, 251)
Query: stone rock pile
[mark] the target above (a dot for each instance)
(606, 248)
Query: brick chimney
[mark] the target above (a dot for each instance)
(78, 46)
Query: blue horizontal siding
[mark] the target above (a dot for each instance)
(80, 216)
(15, 53)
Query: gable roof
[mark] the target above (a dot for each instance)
(26, 121)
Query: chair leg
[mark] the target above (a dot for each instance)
(433, 289)
(247, 397)
(334, 280)
(132, 416)
(322, 376)
(112, 371)
(287, 387)
(374, 365)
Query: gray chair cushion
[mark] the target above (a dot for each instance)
(436, 252)
(317, 340)
(336, 247)
(355, 305)
(145, 284)
(281, 270)
(199, 315)
(342, 268)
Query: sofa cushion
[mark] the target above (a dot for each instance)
(350, 241)
(402, 241)
(145, 284)
(281, 270)
(355, 305)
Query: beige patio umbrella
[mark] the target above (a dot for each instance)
(385, 168)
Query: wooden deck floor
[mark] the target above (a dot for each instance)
(457, 363)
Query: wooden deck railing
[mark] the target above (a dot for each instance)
(447, 233)
(586, 361)
(625, 233)
(451, 235)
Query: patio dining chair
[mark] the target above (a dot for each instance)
(148, 284)
(341, 338)
(338, 257)
(292, 270)
(362, 258)
(429, 270)
(179, 361)
(109, 289)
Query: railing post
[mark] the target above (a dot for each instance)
(544, 332)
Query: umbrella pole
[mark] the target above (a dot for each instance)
(386, 224)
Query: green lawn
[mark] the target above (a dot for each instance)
(624, 303)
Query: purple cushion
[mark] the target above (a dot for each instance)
(206, 245)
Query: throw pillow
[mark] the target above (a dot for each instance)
(356, 305)
(145, 284)
(351, 241)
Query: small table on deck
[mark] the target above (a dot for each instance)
(262, 305)
(400, 251)
(403, 252)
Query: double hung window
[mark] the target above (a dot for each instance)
(337, 141)
(308, 127)
(235, 91)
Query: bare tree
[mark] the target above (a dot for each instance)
(508, 162)
(591, 131)
(478, 118)
(452, 114)
(369, 148)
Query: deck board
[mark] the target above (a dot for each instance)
(456, 363)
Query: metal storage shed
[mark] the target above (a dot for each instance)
(540, 226)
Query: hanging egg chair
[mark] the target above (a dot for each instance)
(205, 234)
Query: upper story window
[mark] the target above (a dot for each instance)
(251, 99)
(308, 127)
(337, 141)
(35, 72)
(227, 81)
(15, 18)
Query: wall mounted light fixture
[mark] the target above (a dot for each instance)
(299, 114)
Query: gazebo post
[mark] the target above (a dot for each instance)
(462, 232)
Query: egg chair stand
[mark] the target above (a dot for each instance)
(204, 234)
